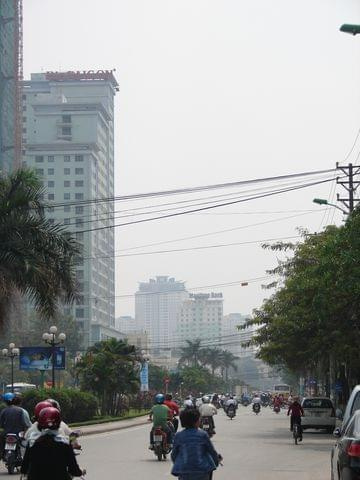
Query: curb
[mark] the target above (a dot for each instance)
(113, 426)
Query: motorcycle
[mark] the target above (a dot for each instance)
(12, 452)
(256, 408)
(231, 412)
(206, 425)
(160, 445)
(276, 409)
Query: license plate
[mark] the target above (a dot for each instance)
(158, 438)
(10, 446)
(206, 427)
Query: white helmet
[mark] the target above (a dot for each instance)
(205, 399)
(188, 403)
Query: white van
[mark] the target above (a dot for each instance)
(19, 387)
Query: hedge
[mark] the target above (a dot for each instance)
(76, 406)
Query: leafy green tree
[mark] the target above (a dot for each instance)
(227, 361)
(36, 257)
(190, 354)
(110, 369)
(211, 357)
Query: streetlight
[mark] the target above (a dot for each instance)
(50, 339)
(11, 353)
(322, 201)
(350, 28)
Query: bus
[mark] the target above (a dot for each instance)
(282, 389)
(20, 387)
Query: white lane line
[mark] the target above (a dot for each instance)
(114, 432)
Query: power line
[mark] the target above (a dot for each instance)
(278, 192)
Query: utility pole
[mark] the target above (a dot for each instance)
(349, 184)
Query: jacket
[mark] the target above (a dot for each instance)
(193, 452)
(295, 410)
(12, 420)
(50, 459)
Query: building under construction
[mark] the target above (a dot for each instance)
(10, 84)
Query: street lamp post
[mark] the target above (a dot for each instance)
(51, 339)
(322, 201)
(144, 374)
(11, 353)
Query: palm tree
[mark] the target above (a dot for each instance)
(227, 362)
(36, 258)
(211, 357)
(190, 354)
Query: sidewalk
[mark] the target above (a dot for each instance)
(111, 426)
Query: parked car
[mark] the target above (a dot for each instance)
(345, 455)
(352, 406)
(319, 413)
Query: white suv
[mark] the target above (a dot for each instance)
(319, 413)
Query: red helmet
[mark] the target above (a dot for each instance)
(49, 418)
(39, 406)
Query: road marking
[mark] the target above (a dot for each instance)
(114, 432)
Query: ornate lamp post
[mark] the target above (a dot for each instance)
(11, 353)
(51, 339)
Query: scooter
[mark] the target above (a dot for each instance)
(160, 446)
(276, 409)
(206, 425)
(12, 452)
(231, 412)
(256, 408)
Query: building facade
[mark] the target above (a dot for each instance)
(157, 304)
(10, 69)
(68, 138)
(200, 317)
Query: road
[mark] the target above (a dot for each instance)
(253, 447)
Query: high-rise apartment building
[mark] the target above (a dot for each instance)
(235, 337)
(10, 88)
(200, 317)
(157, 304)
(69, 140)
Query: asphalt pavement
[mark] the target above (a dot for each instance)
(254, 448)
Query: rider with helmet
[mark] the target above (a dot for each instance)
(12, 419)
(160, 415)
(174, 410)
(230, 402)
(64, 430)
(50, 455)
(207, 409)
(188, 403)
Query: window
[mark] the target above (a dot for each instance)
(79, 209)
(24, 119)
(80, 300)
(79, 158)
(51, 183)
(79, 183)
(51, 196)
(66, 196)
(66, 171)
(50, 158)
(317, 403)
(24, 108)
(66, 131)
(80, 236)
(51, 171)
(67, 183)
(24, 97)
(24, 130)
(39, 158)
(66, 221)
(79, 222)
(51, 209)
(66, 118)
(79, 196)
(79, 171)
(39, 171)
(66, 158)
(79, 312)
(67, 208)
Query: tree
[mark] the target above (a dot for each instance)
(211, 357)
(36, 258)
(190, 354)
(110, 369)
(227, 361)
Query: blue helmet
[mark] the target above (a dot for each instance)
(159, 398)
(8, 397)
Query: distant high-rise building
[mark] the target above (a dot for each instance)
(157, 304)
(235, 337)
(10, 84)
(200, 317)
(69, 141)
(126, 324)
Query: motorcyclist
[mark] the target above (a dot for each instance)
(174, 410)
(50, 455)
(230, 403)
(277, 403)
(256, 401)
(12, 419)
(296, 411)
(207, 409)
(188, 404)
(17, 402)
(159, 415)
(63, 429)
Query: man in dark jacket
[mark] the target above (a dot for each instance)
(296, 411)
(12, 420)
(193, 454)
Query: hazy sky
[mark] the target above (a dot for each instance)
(212, 91)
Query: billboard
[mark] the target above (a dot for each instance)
(40, 358)
(144, 377)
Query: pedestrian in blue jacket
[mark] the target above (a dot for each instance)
(193, 454)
